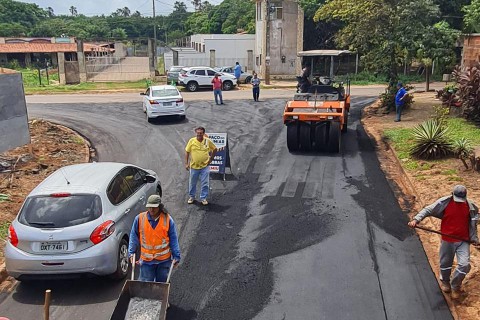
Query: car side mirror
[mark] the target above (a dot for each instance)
(142, 93)
(150, 179)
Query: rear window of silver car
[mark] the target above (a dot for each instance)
(164, 93)
(60, 212)
(175, 69)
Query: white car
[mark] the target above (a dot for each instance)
(78, 221)
(197, 77)
(160, 101)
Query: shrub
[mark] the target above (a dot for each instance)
(440, 114)
(431, 141)
(463, 150)
(468, 80)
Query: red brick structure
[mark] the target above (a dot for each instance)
(471, 50)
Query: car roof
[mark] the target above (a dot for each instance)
(163, 87)
(84, 178)
(201, 68)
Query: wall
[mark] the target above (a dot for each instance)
(471, 50)
(13, 112)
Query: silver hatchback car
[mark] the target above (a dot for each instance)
(78, 220)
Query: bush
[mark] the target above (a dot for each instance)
(468, 80)
(463, 150)
(441, 115)
(431, 141)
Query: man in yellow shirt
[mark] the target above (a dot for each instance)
(200, 151)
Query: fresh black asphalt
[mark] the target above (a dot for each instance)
(286, 236)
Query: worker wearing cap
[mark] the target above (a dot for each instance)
(459, 217)
(154, 231)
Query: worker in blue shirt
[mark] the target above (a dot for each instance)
(155, 233)
(237, 72)
(400, 100)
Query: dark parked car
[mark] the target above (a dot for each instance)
(172, 74)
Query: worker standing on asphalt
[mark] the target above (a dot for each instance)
(459, 217)
(199, 153)
(255, 86)
(154, 231)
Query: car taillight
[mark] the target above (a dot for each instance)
(153, 101)
(60, 195)
(182, 74)
(102, 232)
(180, 100)
(12, 236)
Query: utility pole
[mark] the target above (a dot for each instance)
(267, 39)
(154, 37)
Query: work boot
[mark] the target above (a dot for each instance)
(204, 202)
(456, 294)
(445, 286)
(190, 200)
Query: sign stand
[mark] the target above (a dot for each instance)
(222, 158)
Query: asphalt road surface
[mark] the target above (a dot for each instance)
(286, 236)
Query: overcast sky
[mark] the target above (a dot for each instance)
(99, 7)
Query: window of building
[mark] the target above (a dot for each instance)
(276, 10)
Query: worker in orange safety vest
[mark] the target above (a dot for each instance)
(155, 233)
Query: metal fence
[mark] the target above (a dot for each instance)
(111, 68)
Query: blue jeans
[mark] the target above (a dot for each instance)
(218, 93)
(398, 107)
(157, 272)
(204, 175)
(256, 93)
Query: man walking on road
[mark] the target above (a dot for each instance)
(217, 88)
(237, 72)
(255, 87)
(459, 217)
(154, 231)
(199, 153)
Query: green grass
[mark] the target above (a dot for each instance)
(366, 78)
(88, 86)
(402, 140)
(4, 229)
(31, 78)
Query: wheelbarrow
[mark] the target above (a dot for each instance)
(143, 300)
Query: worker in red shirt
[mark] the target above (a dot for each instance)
(459, 217)
(217, 88)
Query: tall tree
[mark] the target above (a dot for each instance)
(386, 32)
(73, 11)
(472, 16)
(50, 12)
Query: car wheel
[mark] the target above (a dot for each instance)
(182, 117)
(159, 190)
(149, 120)
(144, 109)
(192, 86)
(248, 80)
(227, 85)
(122, 261)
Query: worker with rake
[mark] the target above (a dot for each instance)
(459, 217)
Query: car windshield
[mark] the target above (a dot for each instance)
(60, 212)
(175, 69)
(164, 93)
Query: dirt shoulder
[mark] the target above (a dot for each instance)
(22, 169)
(425, 185)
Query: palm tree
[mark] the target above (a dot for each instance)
(50, 12)
(73, 11)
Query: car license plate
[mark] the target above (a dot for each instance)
(167, 104)
(53, 246)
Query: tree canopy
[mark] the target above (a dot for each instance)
(24, 19)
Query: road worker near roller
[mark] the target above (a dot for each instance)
(155, 233)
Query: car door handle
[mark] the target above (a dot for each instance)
(127, 211)
(141, 199)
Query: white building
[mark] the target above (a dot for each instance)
(215, 50)
(279, 36)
